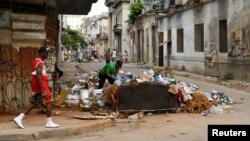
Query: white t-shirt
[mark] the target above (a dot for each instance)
(113, 54)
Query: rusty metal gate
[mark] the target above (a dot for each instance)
(15, 70)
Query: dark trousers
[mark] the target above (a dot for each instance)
(102, 79)
(107, 61)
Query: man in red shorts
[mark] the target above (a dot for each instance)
(40, 89)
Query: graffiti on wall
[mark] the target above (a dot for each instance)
(240, 42)
(14, 86)
(211, 54)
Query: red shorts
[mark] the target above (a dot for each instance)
(37, 99)
(48, 96)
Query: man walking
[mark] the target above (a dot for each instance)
(40, 88)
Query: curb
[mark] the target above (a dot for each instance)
(54, 133)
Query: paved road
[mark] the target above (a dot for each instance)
(97, 66)
(170, 126)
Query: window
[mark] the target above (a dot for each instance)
(161, 37)
(223, 35)
(169, 35)
(169, 44)
(180, 40)
(199, 37)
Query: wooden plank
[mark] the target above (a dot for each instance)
(52, 23)
(27, 43)
(20, 35)
(92, 117)
(28, 26)
(52, 40)
(5, 37)
(5, 18)
(51, 31)
(28, 17)
(51, 45)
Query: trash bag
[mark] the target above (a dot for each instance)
(216, 109)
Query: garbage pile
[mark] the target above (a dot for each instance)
(82, 92)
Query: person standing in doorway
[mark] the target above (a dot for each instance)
(40, 89)
(126, 56)
(108, 57)
(114, 54)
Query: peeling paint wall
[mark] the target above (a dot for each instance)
(18, 48)
(119, 15)
(239, 30)
(148, 47)
(213, 61)
(146, 25)
(125, 32)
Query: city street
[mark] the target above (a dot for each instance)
(170, 126)
(182, 65)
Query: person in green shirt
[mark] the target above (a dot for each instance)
(109, 71)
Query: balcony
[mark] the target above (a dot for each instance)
(118, 2)
(101, 36)
(109, 2)
(117, 28)
(170, 7)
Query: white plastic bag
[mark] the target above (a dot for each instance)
(216, 109)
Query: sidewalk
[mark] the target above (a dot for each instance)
(35, 126)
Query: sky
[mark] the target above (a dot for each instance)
(98, 8)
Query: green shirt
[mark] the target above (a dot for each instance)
(109, 68)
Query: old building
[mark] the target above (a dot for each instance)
(119, 37)
(208, 37)
(89, 32)
(102, 34)
(26, 25)
(143, 34)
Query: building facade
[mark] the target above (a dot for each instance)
(26, 25)
(210, 37)
(119, 37)
(143, 35)
(73, 21)
(88, 31)
(101, 39)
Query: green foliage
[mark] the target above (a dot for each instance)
(85, 42)
(135, 10)
(71, 39)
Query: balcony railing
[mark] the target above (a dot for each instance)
(108, 2)
(117, 28)
(117, 2)
(102, 36)
(166, 6)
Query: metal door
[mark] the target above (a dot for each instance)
(161, 59)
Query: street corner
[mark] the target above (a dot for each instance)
(35, 129)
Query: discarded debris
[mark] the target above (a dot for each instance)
(136, 116)
(82, 93)
(93, 117)
(58, 113)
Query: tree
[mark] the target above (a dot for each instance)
(135, 10)
(71, 39)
